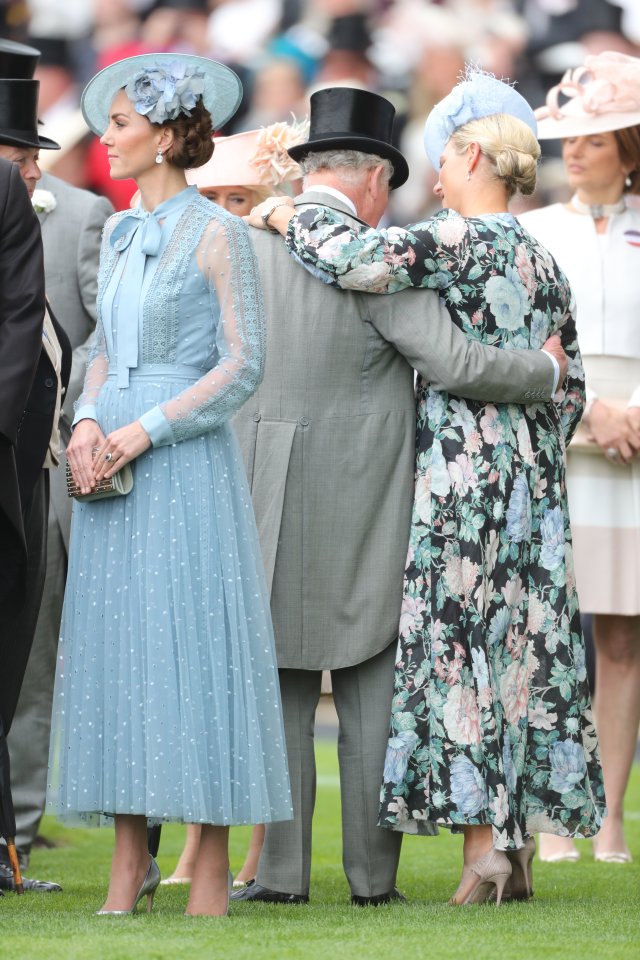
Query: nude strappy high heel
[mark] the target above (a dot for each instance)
(491, 873)
(520, 885)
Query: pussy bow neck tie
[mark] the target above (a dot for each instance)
(146, 229)
(135, 220)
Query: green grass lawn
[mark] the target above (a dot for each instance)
(581, 911)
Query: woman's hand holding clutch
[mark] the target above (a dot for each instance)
(86, 436)
(120, 447)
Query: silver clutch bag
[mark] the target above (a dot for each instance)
(119, 485)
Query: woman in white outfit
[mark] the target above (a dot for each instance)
(595, 238)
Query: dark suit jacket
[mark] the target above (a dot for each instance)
(37, 422)
(21, 315)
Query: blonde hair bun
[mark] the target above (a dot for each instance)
(510, 147)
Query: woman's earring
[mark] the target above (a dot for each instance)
(468, 174)
(159, 156)
(628, 181)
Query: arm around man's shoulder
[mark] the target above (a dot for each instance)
(420, 327)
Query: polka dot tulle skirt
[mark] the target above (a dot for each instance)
(167, 701)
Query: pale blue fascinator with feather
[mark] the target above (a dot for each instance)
(478, 94)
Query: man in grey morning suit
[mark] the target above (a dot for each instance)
(71, 234)
(328, 440)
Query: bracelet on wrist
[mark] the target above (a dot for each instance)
(266, 216)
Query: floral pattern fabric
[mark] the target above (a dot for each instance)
(491, 720)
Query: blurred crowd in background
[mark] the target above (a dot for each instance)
(411, 51)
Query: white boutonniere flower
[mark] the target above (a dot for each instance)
(43, 201)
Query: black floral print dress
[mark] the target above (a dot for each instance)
(491, 720)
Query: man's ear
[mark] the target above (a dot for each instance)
(377, 180)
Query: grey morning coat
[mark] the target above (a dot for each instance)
(328, 442)
(71, 239)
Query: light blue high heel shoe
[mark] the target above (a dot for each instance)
(148, 889)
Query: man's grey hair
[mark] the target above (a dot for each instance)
(350, 164)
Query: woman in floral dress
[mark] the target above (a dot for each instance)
(491, 729)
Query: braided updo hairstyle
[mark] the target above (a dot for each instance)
(192, 143)
(510, 147)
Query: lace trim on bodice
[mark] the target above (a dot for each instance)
(161, 308)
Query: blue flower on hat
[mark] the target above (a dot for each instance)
(165, 91)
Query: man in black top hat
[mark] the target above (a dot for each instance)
(328, 440)
(21, 317)
(20, 143)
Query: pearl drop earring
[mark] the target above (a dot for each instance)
(468, 174)
(159, 156)
(628, 181)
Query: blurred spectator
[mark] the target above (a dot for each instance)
(179, 25)
(277, 90)
(116, 25)
(14, 20)
(240, 29)
(347, 61)
(630, 25)
(410, 50)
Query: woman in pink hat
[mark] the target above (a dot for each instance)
(249, 167)
(595, 238)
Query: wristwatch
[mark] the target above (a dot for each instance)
(277, 202)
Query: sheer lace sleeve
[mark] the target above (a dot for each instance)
(226, 259)
(373, 261)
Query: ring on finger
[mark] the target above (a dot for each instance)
(108, 457)
(612, 453)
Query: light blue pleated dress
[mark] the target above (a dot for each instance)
(167, 701)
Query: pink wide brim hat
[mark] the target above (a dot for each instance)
(257, 158)
(599, 97)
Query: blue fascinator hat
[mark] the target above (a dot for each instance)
(477, 95)
(162, 86)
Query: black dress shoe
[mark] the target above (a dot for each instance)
(253, 891)
(37, 886)
(378, 899)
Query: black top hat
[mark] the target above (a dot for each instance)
(349, 33)
(54, 51)
(17, 60)
(344, 118)
(19, 117)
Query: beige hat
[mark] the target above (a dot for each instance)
(601, 96)
(257, 158)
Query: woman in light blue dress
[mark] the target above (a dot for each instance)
(167, 702)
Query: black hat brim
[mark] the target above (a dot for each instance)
(364, 144)
(21, 138)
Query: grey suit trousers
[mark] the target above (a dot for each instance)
(29, 740)
(370, 854)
